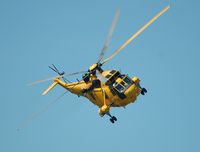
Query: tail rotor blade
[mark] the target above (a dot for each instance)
(55, 68)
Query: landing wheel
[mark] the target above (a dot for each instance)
(114, 118)
(143, 91)
(111, 120)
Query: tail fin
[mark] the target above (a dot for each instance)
(50, 87)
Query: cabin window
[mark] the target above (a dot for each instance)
(112, 76)
(108, 76)
(114, 84)
(122, 76)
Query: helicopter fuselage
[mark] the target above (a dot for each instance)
(116, 90)
(105, 88)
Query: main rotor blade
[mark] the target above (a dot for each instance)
(105, 47)
(136, 34)
(59, 76)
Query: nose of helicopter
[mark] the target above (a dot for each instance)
(133, 91)
(136, 80)
(141, 90)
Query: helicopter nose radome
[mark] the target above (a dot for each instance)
(136, 80)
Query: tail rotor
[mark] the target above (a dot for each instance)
(61, 74)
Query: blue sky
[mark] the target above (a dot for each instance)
(70, 34)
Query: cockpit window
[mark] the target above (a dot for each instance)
(119, 88)
(119, 83)
(128, 81)
(114, 84)
(123, 84)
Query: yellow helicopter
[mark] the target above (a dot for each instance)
(104, 88)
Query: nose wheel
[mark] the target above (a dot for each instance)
(112, 118)
(143, 91)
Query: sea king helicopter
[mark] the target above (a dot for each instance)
(104, 88)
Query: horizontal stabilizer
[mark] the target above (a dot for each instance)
(49, 88)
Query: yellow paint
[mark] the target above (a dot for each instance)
(50, 87)
(98, 95)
